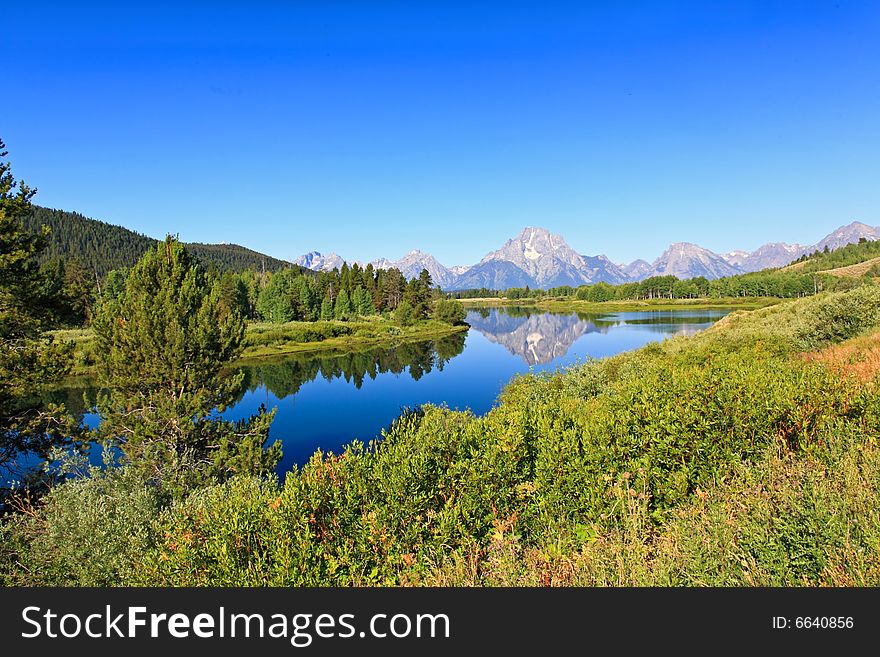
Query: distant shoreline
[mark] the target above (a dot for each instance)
(575, 305)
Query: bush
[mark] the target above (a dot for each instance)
(91, 531)
(405, 314)
(450, 311)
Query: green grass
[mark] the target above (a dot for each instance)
(266, 340)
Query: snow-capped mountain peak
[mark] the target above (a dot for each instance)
(316, 261)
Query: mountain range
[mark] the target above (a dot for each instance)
(535, 258)
(539, 259)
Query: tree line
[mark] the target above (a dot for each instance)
(771, 283)
(343, 294)
(72, 291)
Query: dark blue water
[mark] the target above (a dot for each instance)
(327, 401)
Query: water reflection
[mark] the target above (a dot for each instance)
(283, 378)
(539, 337)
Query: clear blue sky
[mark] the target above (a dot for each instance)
(372, 128)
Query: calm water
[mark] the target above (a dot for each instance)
(325, 402)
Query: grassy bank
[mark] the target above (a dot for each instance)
(567, 304)
(265, 340)
(745, 455)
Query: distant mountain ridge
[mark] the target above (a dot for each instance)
(535, 257)
(538, 258)
(412, 264)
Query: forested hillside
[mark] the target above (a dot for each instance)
(102, 247)
(845, 256)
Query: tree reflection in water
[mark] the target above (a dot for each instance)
(285, 377)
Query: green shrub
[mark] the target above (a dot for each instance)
(91, 531)
(405, 314)
(450, 311)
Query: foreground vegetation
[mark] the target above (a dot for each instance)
(727, 458)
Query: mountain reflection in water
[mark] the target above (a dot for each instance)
(284, 378)
(540, 337)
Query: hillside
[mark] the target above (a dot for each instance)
(844, 257)
(102, 247)
(856, 270)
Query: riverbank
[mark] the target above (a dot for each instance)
(567, 304)
(266, 340)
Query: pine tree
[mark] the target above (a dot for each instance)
(28, 361)
(233, 293)
(308, 301)
(327, 309)
(392, 286)
(162, 346)
(274, 302)
(418, 294)
(343, 309)
(363, 302)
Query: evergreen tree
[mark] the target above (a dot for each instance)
(392, 285)
(233, 293)
(28, 361)
(363, 302)
(327, 309)
(162, 346)
(274, 302)
(308, 300)
(343, 309)
(418, 294)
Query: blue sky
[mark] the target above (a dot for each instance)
(371, 128)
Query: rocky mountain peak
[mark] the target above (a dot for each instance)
(848, 234)
(688, 260)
